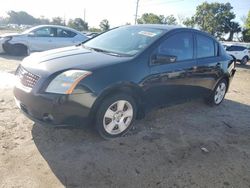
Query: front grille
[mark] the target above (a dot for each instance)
(26, 78)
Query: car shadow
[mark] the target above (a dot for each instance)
(80, 158)
(247, 66)
(10, 57)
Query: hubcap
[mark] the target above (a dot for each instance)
(118, 117)
(220, 93)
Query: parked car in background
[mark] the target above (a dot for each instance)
(239, 53)
(92, 34)
(40, 38)
(119, 75)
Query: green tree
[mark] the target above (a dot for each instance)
(43, 20)
(247, 23)
(214, 18)
(93, 29)
(232, 28)
(21, 18)
(246, 31)
(189, 22)
(150, 18)
(78, 24)
(104, 25)
(170, 20)
(57, 21)
(3, 20)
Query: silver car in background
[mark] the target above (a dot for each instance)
(40, 38)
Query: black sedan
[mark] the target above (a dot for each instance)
(120, 75)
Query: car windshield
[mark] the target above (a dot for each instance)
(28, 30)
(126, 41)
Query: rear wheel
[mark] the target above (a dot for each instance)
(244, 60)
(18, 50)
(219, 93)
(115, 116)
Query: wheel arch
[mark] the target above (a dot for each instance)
(225, 77)
(125, 87)
(247, 56)
(234, 58)
(8, 46)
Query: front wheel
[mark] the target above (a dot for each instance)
(18, 50)
(115, 116)
(219, 93)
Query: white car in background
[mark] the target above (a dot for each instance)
(239, 53)
(40, 38)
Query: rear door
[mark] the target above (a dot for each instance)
(172, 82)
(64, 38)
(209, 63)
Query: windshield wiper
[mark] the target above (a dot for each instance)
(106, 51)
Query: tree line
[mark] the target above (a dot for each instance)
(218, 19)
(23, 18)
(214, 18)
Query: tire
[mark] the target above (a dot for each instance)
(218, 94)
(18, 50)
(244, 60)
(115, 116)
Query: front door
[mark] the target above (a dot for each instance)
(209, 63)
(172, 67)
(42, 39)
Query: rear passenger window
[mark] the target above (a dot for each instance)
(179, 45)
(65, 33)
(205, 47)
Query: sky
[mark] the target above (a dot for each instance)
(118, 12)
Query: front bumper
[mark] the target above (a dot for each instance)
(54, 109)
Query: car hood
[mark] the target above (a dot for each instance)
(75, 57)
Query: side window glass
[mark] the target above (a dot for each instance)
(44, 32)
(230, 48)
(65, 33)
(241, 48)
(205, 47)
(179, 45)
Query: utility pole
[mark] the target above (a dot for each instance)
(136, 12)
(84, 14)
(64, 19)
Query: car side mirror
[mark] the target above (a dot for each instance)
(163, 59)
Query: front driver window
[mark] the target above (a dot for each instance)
(44, 32)
(179, 45)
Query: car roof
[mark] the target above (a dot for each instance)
(168, 28)
(160, 26)
(57, 26)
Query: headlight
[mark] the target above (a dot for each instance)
(65, 82)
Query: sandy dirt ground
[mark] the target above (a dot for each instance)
(188, 145)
